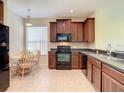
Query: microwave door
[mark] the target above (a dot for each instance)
(62, 38)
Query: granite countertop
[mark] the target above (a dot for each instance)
(113, 62)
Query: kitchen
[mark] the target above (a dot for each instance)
(91, 42)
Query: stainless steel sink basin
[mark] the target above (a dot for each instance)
(108, 58)
(115, 59)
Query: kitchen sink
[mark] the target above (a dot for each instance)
(108, 58)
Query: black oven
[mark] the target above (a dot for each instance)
(63, 57)
(63, 37)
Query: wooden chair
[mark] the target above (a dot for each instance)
(13, 65)
(26, 63)
(37, 57)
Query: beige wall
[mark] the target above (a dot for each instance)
(110, 26)
(15, 24)
(16, 32)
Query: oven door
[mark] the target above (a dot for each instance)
(63, 58)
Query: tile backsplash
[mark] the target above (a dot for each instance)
(72, 44)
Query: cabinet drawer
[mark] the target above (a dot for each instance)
(75, 53)
(95, 62)
(113, 73)
(52, 53)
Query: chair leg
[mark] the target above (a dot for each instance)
(22, 72)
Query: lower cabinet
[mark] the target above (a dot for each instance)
(52, 60)
(75, 60)
(112, 80)
(89, 71)
(94, 73)
(111, 85)
(96, 78)
(78, 60)
(103, 77)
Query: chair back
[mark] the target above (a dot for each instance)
(38, 55)
(27, 56)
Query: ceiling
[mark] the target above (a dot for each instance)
(53, 8)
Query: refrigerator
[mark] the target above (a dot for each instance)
(4, 57)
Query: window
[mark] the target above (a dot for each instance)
(37, 39)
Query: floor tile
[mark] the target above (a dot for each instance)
(43, 79)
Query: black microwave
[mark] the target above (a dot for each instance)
(63, 37)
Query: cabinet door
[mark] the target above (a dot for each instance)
(80, 32)
(74, 61)
(52, 60)
(52, 31)
(89, 30)
(1, 12)
(60, 26)
(74, 32)
(111, 85)
(66, 26)
(96, 78)
(86, 31)
(80, 61)
(89, 71)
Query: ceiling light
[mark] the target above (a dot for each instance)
(71, 11)
(28, 24)
(28, 18)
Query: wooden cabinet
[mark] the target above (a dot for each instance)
(52, 31)
(79, 61)
(89, 70)
(52, 59)
(103, 77)
(77, 31)
(112, 80)
(1, 12)
(63, 25)
(89, 30)
(74, 32)
(74, 60)
(111, 85)
(94, 73)
(80, 65)
(96, 78)
(80, 32)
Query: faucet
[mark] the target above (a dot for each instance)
(109, 49)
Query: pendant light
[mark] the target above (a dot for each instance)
(28, 18)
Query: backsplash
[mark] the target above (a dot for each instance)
(72, 44)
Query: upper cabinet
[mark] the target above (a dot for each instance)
(52, 31)
(77, 31)
(74, 32)
(80, 31)
(63, 25)
(89, 30)
(1, 12)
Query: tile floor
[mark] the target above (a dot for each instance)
(42, 79)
